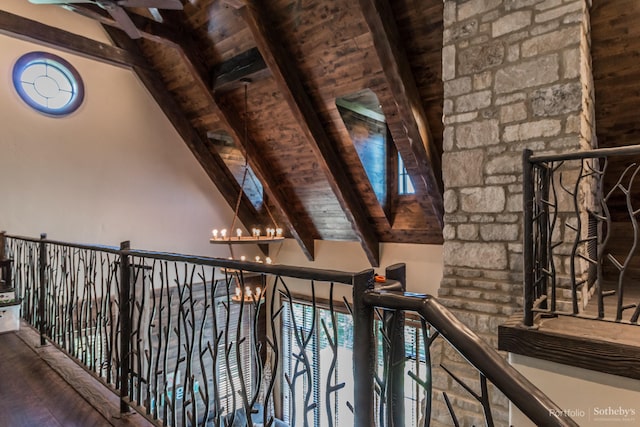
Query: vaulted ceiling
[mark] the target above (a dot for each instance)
(287, 63)
(268, 82)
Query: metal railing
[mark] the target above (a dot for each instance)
(189, 340)
(571, 208)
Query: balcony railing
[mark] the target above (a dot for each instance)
(572, 205)
(189, 340)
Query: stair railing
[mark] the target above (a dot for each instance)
(571, 202)
(188, 340)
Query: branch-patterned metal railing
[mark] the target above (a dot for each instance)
(571, 208)
(196, 341)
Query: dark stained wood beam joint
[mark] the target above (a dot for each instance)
(45, 35)
(242, 66)
(289, 82)
(425, 157)
(212, 164)
(233, 125)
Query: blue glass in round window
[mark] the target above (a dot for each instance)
(48, 83)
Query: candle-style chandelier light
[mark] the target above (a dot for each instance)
(257, 236)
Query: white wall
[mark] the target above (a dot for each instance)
(114, 170)
(424, 262)
(590, 398)
(117, 170)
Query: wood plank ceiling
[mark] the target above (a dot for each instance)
(615, 54)
(300, 57)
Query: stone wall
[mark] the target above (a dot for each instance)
(516, 75)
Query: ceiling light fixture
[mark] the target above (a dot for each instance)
(234, 235)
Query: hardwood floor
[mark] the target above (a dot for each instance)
(34, 392)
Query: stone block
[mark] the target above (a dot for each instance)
(544, 28)
(574, 18)
(450, 201)
(528, 74)
(516, 262)
(482, 80)
(571, 64)
(510, 98)
(473, 101)
(508, 163)
(457, 87)
(553, 41)
(482, 199)
(476, 255)
(449, 232)
(462, 168)
(485, 219)
(557, 99)
(512, 22)
(447, 107)
(448, 62)
(558, 12)
(447, 138)
(460, 118)
(531, 130)
(513, 52)
(500, 179)
(548, 4)
(513, 112)
(468, 232)
(507, 218)
(518, 4)
(455, 219)
(499, 232)
(496, 149)
(476, 7)
(480, 58)
(572, 124)
(461, 31)
(514, 203)
(478, 134)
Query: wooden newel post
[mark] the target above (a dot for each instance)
(42, 267)
(394, 327)
(364, 357)
(125, 324)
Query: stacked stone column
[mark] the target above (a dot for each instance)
(517, 75)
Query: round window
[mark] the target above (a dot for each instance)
(48, 83)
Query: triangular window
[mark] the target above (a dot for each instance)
(235, 161)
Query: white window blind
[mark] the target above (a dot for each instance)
(239, 357)
(301, 317)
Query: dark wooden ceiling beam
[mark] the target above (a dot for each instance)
(290, 84)
(32, 31)
(149, 29)
(212, 164)
(424, 158)
(233, 124)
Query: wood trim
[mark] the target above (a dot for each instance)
(593, 352)
(32, 31)
(290, 84)
(424, 161)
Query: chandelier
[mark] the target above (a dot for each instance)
(257, 236)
